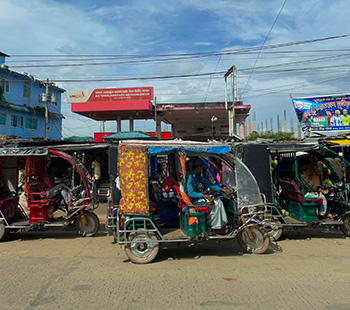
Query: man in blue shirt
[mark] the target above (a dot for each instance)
(216, 218)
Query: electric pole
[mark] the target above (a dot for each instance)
(231, 109)
(46, 110)
(47, 98)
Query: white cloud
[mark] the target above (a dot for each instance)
(179, 26)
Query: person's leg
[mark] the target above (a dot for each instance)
(323, 207)
(53, 191)
(217, 217)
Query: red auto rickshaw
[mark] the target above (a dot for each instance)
(32, 213)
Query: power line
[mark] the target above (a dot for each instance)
(257, 58)
(175, 57)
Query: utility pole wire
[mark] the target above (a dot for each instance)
(257, 57)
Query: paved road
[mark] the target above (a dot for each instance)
(59, 270)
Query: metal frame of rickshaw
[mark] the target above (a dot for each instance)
(312, 150)
(120, 235)
(79, 206)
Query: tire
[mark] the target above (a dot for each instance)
(142, 252)
(2, 230)
(345, 227)
(89, 230)
(260, 243)
(274, 231)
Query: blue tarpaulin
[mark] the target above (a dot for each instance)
(197, 149)
(129, 135)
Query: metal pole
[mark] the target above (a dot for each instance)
(234, 98)
(226, 93)
(46, 110)
(231, 109)
(155, 115)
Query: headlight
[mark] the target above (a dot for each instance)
(83, 194)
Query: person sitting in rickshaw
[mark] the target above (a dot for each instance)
(312, 184)
(46, 183)
(216, 218)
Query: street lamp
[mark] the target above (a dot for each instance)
(213, 120)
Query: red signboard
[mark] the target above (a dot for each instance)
(110, 94)
(122, 94)
(98, 136)
(164, 134)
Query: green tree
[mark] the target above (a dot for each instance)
(275, 136)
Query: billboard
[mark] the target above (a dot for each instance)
(326, 113)
(109, 94)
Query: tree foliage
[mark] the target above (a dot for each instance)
(275, 136)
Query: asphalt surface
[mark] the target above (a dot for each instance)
(60, 270)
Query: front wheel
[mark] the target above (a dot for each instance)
(87, 225)
(141, 250)
(345, 227)
(259, 243)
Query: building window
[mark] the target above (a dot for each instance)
(31, 123)
(26, 91)
(2, 118)
(16, 121)
(5, 85)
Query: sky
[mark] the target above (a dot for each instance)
(110, 43)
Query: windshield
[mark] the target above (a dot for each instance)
(339, 169)
(248, 192)
(228, 176)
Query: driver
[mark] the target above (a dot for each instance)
(216, 218)
(312, 182)
(46, 183)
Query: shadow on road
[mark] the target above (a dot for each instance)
(68, 233)
(312, 233)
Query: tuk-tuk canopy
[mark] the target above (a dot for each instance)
(24, 151)
(292, 148)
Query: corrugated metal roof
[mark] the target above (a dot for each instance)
(127, 135)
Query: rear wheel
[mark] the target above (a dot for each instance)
(259, 243)
(274, 228)
(345, 227)
(2, 230)
(87, 225)
(141, 250)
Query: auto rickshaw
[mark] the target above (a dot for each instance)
(32, 213)
(136, 221)
(276, 168)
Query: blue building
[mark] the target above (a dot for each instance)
(22, 115)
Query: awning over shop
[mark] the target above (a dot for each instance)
(127, 135)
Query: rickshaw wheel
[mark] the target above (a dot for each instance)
(2, 230)
(89, 230)
(260, 243)
(141, 251)
(274, 231)
(346, 225)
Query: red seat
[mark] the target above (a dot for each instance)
(182, 204)
(38, 204)
(291, 191)
(9, 207)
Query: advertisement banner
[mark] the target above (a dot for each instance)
(110, 94)
(326, 113)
